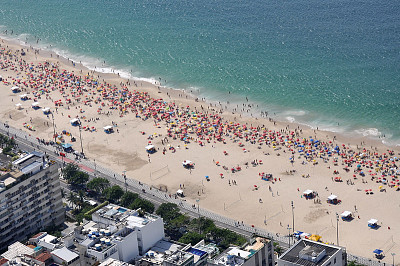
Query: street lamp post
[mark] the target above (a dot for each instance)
(292, 217)
(54, 128)
(289, 234)
(393, 254)
(95, 167)
(126, 185)
(198, 212)
(80, 136)
(337, 229)
(8, 128)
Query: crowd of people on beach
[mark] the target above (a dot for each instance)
(200, 125)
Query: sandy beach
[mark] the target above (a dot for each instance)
(233, 149)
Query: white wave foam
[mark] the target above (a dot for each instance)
(294, 113)
(374, 132)
(290, 119)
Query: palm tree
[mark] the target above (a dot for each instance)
(72, 199)
(80, 199)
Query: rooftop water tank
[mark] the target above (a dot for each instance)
(108, 242)
(102, 240)
(97, 246)
(107, 232)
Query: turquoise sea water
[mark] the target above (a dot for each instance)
(314, 62)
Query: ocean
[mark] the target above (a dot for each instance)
(334, 65)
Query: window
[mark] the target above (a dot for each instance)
(334, 261)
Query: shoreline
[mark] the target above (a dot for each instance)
(127, 153)
(353, 136)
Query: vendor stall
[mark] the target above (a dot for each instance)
(75, 122)
(333, 199)
(180, 193)
(108, 129)
(150, 149)
(46, 110)
(188, 164)
(346, 216)
(373, 223)
(309, 194)
(24, 97)
(67, 147)
(15, 89)
(36, 105)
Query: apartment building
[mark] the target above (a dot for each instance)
(30, 198)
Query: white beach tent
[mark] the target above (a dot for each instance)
(35, 104)
(74, 121)
(373, 221)
(179, 192)
(345, 214)
(23, 96)
(308, 192)
(187, 162)
(18, 106)
(15, 89)
(149, 147)
(46, 110)
(107, 128)
(332, 197)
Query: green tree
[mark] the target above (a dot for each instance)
(128, 198)
(113, 193)
(145, 205)
(79, 179)
(70, 171)
(191, 238)
(72, 199)
(98, 184)
(80, 199)
(168, 211)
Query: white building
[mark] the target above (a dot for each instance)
(259, 253)
(310, 253)
(65, 256)
(120, 233)
(114, 262)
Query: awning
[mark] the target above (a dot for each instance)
(180, 191)
(345, 214)
(66, 145)
(332, 197)
(378, 251)
(149, 147)
(47, 109)
(108, 127)
(308, 191)
(187, 162)
(73, 121)
(372, 221)
(35, 104)
(23, 96)
(15, 88)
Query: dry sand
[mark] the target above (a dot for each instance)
(124, 150)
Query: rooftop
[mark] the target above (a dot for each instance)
(114, 262)
(317, 252)
(118, 214)
(65, 254)
(16, 249)
(180, 258)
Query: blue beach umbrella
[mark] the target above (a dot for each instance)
(378, 251)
